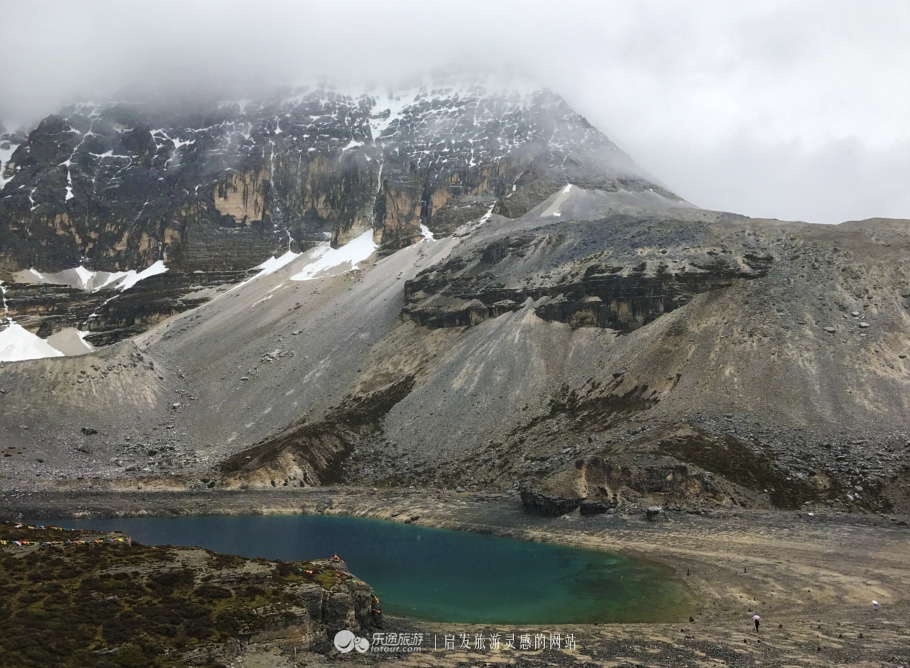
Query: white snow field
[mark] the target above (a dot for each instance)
(335, 261)
(92, 281)
(18, 344)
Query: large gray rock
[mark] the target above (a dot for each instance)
(653, 513)
(547, 503)
(338, 611)
(311, 596)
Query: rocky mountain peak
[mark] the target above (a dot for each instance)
(118, 186)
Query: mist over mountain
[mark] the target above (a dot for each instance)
(225, 184)
(771, 110)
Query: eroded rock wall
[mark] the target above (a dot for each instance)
(223, 186)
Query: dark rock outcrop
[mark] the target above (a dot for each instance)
(110, 315)
(591, 507)
(548, 504)
(307, 454)
(604, 289)
(653, 513)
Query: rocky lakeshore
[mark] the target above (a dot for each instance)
(87, 598)
(810, 575)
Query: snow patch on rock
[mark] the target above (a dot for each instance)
(334, 261)
(270, 266)
(132, 277)
(92, 281)
(5, 155)
(553, 209)
(18, 344)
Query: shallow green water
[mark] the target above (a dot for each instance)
(439, 575)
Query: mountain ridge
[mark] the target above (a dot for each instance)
(121, 187)
(457, 292)
(669, 355)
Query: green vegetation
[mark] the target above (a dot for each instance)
(115, 605)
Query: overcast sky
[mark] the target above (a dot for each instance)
(792, 110)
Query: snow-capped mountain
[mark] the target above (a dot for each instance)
(118, 186)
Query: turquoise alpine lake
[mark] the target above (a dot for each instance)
(440, 575)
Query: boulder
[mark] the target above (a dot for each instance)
(653, 512)
(540, 502)
(595, 507)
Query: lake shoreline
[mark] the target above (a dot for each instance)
(438, 575)
(811, 577)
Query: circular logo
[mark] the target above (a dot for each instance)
(344, 641)
(362, 645)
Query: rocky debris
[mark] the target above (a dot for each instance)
(109, 315)
(733, 394)
(653, 513)
(590, 507)
(312, 453)
(547, 504)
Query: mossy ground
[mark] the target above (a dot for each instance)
(114, 605)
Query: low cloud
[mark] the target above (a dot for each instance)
(796, 110)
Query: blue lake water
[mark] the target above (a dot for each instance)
(440, 575)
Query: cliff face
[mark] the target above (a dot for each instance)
(108, 316)
(224, 186)
(621, 291)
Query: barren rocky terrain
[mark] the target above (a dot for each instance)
(673, 356)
